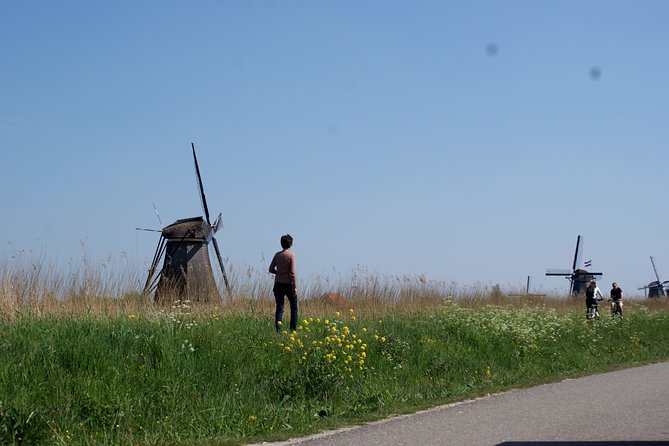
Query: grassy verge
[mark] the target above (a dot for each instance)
(198, 376)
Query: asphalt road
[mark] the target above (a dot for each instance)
(625, 407)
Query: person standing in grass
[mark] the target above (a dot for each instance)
(285, 282)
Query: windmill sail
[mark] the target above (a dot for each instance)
(205, 208)
(652, 261)
(203, 199)
(578, 253)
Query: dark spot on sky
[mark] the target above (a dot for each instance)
(491, 49)
(595, 73)
(333, 129)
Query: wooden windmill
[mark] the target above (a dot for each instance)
(187, 272)
(579, 278)
(657, 287)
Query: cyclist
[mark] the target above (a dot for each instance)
(616, 300)
(591, 310)
(598, 292)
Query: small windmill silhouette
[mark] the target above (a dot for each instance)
(657, 287)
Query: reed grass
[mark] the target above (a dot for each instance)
(113, 287)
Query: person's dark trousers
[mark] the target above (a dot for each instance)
(281, 291)
(590, 302)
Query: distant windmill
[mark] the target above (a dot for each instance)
(527, 292)
(578, 278)
(187, 271)
(656, 288)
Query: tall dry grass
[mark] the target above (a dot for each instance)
(113, 287)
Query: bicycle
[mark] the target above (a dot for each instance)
(592, 312)
(616, 309)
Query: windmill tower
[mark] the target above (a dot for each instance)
(578, 278)
(186, 272)
(657, 287)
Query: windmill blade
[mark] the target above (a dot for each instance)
(571, 286)
(652, 261)
(146, 229)
(220, 262)
(666, 282)
(148, 285)
(159, 219)
(203, 199)
(558, 272)
(217, 223)
(577, 253)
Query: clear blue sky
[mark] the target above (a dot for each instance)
(466, 141)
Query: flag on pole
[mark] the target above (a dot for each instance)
(587, 263)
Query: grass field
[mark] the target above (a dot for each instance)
(90, 361)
